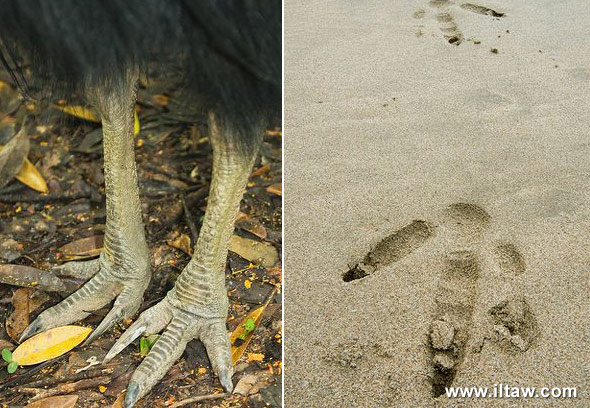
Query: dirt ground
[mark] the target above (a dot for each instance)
(41, 230)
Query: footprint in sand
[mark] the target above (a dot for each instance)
(391, 249)
(444, 14)
(463, 229)
(456, 293)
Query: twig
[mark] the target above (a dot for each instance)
(197, 399)
(19, 379)
(66, 388)
(91, 373)
(18, 198)
(42, 246)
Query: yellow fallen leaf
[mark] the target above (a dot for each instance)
(80, 112)
(241, 336)
(136, 125)
(89, 114)
(276, 188)
(247, 284)
(102, 388)
(255, 357)
(274, 133)
(202, 370)
(30, 176)
(49, 344)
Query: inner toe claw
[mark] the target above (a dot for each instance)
(133, 332)
(32, 329)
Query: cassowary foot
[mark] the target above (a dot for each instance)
(111, 281)
(181, 326)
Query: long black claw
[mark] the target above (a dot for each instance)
(131, 395)
(31, 330)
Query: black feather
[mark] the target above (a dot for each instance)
(229, 50)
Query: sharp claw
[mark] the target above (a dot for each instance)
(133, 332)
(110, 319)
(131, 394)
(31, 330)
(225, 379)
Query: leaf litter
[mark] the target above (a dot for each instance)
(44, 230)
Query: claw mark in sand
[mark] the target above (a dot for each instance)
(515, 325)
(511, 261)
(456, 294)
(481, 10)
(446, 20)
(418, 15)
(391, 249)
(449, 28)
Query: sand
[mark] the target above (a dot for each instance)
(387, 122)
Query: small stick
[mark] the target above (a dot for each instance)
(197, 399)
(65, 388)
(19, 379)
(17, 198)
(91, 373)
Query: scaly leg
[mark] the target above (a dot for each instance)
(123, 269)
(196, 308)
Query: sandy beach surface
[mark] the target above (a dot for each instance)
(487, 145)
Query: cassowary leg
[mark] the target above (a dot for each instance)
(196, 308)
(122, 271)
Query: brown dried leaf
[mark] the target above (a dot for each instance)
(254, 251)
(18, 320)
(59, 401)
(119, 401)
(253, 226)
(29, 277)
(5, 344)
(183, 242)
(84, 248)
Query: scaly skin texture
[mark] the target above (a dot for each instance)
(196, 308)
(122, 270)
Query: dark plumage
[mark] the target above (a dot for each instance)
(229, 51)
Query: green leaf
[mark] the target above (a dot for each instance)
(144, 349)
(12, 367)
(6, 355)
(146, 343)
(249, 325)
